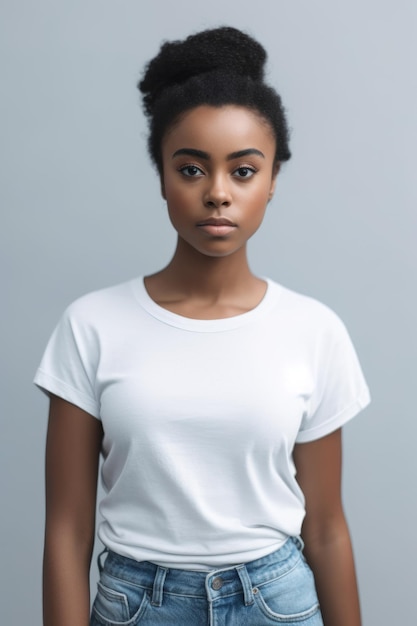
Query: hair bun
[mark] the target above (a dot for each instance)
(223, 49)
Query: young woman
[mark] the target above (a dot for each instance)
(215, 397)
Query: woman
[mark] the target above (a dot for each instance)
(216, 397)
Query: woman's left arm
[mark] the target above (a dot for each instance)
(325, 533)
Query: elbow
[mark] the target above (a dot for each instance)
(321, 531)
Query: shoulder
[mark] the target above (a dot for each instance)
(305, 313)
(102, 304)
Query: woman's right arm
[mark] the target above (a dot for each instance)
(72, 460)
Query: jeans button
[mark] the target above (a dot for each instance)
(217, 583)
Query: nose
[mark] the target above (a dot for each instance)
(217, 193)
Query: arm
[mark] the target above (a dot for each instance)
(72, 455)
(325, 533)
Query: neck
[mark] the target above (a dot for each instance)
(195, 273)
(206, 287)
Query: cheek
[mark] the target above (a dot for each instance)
(177, 193)
(259, 216)
(256, 212)
(259, 201)
(174, 198)
(179, 207)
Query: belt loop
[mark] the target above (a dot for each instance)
(299, 543)
(99, 565)
(246, 584)
(158, 586)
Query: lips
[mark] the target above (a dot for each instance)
(216, 221)
(217, 226)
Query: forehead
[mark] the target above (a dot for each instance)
(219, 130)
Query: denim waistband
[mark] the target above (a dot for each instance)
(214, 583)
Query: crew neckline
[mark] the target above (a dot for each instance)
(197, 325)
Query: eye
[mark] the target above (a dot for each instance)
(244, 172)
(190, 171)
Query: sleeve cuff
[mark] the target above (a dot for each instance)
(336, 422)
(48, 384)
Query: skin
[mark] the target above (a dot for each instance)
(72, 456)
(217, 163)
(325, 532)
(209, 276)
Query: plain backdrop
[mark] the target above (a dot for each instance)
(81, 209)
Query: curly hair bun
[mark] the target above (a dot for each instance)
(224, 49)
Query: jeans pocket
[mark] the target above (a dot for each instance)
(290, 599)
(118, 603)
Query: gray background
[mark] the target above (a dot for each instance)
(81, 209)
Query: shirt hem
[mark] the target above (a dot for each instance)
(198, 564)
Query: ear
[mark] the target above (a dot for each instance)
(161, 180)
(275, 171)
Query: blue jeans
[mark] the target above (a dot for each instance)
(275, 589)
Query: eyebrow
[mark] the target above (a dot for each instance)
(205, 155)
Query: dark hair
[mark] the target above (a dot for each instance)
(214, 67)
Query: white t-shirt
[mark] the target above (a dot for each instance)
(200, 417)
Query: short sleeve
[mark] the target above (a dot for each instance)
(69, 364)
(340, 390)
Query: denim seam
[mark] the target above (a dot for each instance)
(270, 580)
(129, 582)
